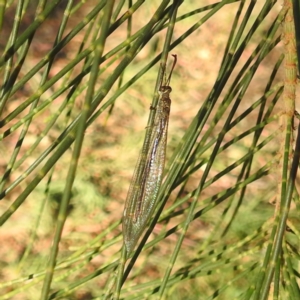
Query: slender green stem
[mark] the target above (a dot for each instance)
(121, 268)
(77, 150)
(286, 147)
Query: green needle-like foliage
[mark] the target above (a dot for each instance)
(77, 81)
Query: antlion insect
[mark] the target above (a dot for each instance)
(147, 177)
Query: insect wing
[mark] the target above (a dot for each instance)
(147, 178)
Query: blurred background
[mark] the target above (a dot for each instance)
(46, 54)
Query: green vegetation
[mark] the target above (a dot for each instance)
(77, 81)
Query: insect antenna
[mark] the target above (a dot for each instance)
(173, 66)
